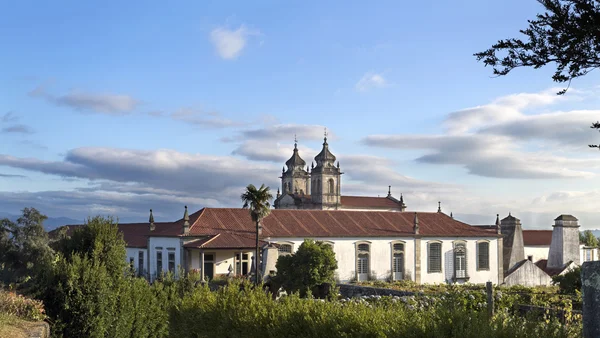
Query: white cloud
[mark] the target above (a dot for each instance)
(105, 103)
(370, 81)
(230, 43)
(500, 140)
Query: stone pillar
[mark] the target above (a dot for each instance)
(590, 287)
(500, 261)
(270, 256)
(418, 260)
(202, 265)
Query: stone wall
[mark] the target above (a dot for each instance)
(351, 291)
(528, 274)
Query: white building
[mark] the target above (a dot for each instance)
(372, 237)
(427, 247)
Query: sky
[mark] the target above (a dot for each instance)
(115, 108)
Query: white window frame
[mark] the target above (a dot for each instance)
(460, 248)
(393, 252)
(284, 253)
(358, 253)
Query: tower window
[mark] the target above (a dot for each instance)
(331, 186)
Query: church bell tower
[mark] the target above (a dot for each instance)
(326, 179)
(295, 179)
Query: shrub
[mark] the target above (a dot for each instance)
(21, 307)
(570, 282)
(313, 264)
(230, 312)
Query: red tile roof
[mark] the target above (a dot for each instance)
(356, 201)
(368, 202)
(537, 237)
(135, 234)
(542, 264)
(325, 223)
(233, 228)
(225, 240)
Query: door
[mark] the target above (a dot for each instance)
(209, 266)
(363, 267)
(398, 266)
(241, 264)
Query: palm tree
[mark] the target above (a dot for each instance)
(258, 202)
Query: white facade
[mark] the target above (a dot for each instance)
(167, 249)
(587, 254)
(381, 258)
(537, 252)
(138, 259)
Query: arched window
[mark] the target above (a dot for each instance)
(460, 260)
(397, 260)
(285, 249)
(483, 255)
(331, 186)
(363, 261)
(434, 256)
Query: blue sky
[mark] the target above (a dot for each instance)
(118, 108)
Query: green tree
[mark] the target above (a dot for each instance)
(24, 247)
(587, 237)
(100, 240)
(257, 200)
(313, 264)
(570, 282)
(88, 291)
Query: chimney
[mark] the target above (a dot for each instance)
(513, 246)
(186, 222)
(151, 221)
(564, 247)
(416, 224)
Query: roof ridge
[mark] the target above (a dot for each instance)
(210, 239)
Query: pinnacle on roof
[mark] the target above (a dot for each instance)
(151, 220)
(439, 206)
(186, 217)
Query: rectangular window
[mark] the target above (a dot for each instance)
(131, 263)
(141, 263)
(483, 256)
(171, 261)
(435, 257)
(588, 255)
(159, 263)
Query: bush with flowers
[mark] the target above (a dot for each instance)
(19, 306)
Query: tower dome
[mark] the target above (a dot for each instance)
(295, 162)
(325, 158)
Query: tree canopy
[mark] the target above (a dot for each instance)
(257, 200)
(567, 35)
(587, 237)
(24, 247)
(313, 264)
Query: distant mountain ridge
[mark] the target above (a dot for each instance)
(49, 224)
